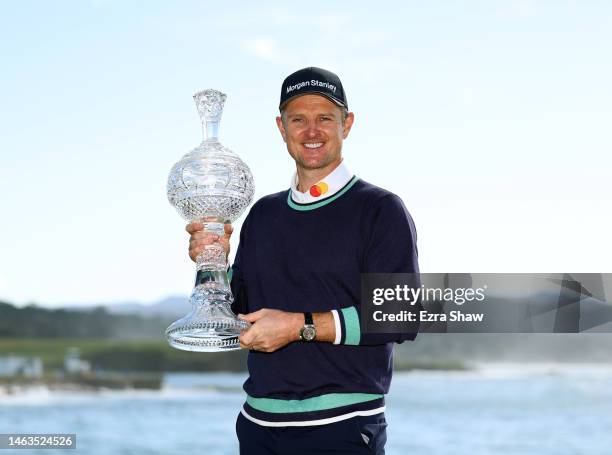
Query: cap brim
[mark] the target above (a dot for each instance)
(313, 92)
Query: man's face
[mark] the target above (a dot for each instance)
(313, 131)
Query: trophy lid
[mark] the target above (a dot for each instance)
(210, 104)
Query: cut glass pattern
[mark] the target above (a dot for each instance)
(213, 185)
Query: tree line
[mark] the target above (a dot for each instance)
(36, 322)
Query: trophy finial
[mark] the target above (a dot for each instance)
(210, 107)
(210, 104)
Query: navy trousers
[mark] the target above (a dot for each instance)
(357, 435)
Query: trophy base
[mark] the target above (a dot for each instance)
(206, 336)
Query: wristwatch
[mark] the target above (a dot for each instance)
(308, 332)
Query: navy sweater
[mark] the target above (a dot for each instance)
(309, 257)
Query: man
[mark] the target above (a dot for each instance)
(316, 382)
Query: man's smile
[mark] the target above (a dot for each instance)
(313, 145)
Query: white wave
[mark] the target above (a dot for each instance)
(42, 395)
(24, 395)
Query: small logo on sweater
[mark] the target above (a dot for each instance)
(318, 189)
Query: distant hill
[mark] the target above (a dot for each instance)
(37, 322)
(170, 307)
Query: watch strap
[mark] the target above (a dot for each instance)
(308, 319)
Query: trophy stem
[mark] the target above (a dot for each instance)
(210, 130)
(213, 257)
(213, 278)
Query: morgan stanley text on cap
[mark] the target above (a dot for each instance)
(313, 80)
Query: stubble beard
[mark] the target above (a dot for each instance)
(325, 162)
(314, 166)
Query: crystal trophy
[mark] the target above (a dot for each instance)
(213, 185)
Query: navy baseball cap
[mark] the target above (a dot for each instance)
(313, 80)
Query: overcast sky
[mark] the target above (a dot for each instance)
(492, 121)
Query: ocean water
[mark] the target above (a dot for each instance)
(543, 409)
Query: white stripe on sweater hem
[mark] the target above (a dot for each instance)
(338, 327)
(307, 423)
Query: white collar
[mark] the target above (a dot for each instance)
(327, 186)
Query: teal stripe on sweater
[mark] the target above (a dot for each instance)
(351, 324)
(327, 401)
(303, 208)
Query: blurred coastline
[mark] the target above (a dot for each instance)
(539, 408)
(123, 347)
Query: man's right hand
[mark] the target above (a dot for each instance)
(200, 238)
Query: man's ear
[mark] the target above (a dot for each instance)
(348, 123)
(281, 128)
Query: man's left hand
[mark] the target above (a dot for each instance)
(270, 329)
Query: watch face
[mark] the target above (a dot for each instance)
(308, 333)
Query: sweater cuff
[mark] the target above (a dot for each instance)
(350, 332)
(337, 326)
